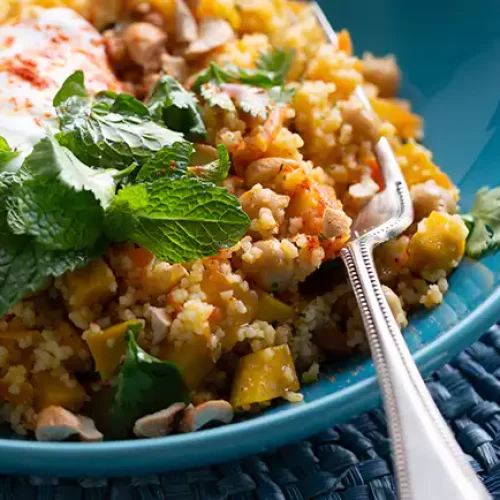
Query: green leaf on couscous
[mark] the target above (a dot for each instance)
(215, 171)
(179, 220)
(6, 152)
(145, 386)
(484, 222)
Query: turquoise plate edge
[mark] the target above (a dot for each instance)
(450, 61)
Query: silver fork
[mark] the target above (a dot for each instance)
(428, 462)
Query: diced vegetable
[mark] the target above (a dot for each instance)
(439, 243)
(68, 335)
(194, 359)
(162, 278)
(52, 390)
(19, 345)
(418, 166)
(407, 124)
(264, 375)
(272, 309)
(108, 347)
(93, 284)
(14, 387)
(345, 42)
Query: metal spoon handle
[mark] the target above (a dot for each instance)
(428, 461)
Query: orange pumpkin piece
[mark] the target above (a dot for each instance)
(53, 390)
(439, 243)
(407, 124)
(418, 167)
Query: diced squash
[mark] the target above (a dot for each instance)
(418, 167)
(194, 359)
(345, 42)
(130, 263)
(68, 335)
(214, 283)
(221, 9)
(162, 278)
(439, 243)
(93, 284)
(51, 389)
(19, 345)
(264, 375)
(108, 346)
(407, 124)
(272, 309)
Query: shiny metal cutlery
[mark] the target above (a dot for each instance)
(428, 463)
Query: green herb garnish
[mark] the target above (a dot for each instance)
(484, 222)
(215, 171)
(177, 220)
(171, 104)
(6, 152)
(58, 200)
(145, 386)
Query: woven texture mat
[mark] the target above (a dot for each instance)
(347, 462)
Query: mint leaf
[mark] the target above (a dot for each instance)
(112, 140)
(170, 103)
(126, 104)
(6, 152)
(74, 86)
(145, 385)
(178, 220)
(25, 266)
(171, 162)
(215, 171)
(59, 200)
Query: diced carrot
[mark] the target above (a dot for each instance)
(345, 42)
(376, 173)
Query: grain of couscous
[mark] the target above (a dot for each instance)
(177, 179)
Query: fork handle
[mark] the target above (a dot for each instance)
(428, 462)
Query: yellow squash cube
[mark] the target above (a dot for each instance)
(108, 346)
(272, 309)
(264, 375)
(407, 124)
(439, 243)
(93, 284)
(52, 390)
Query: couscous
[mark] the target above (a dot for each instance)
(177, 179)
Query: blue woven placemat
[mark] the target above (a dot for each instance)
(347, 462)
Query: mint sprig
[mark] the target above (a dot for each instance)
(6, 152)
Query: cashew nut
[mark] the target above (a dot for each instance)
(218, 411)
(160, 423)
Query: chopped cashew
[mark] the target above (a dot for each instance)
(212, 34)
(365, 124)
(266, 169)
(335, 223)
(382, 72)
(160, 323)
(175, 66)
(186, 30)
(145, 44)
(160, 423)
(429, 197)
(55, 423)
(218, 411)
(395, 305)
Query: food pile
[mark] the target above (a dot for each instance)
(176, 182)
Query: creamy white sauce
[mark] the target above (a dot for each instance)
(37, 53)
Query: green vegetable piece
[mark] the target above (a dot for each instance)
(170, 103)
(73, 86)
(59, 200)
(125, 104)
(6, 152)
(170, 162)
(215, 171)
(484, 222)
(179, 221)
(276, 62)
(25, 266)
(145, 385)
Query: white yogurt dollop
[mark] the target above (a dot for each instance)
(37, 53)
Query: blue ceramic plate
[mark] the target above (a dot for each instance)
(450, 57)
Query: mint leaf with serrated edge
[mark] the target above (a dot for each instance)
(484, 222)
(170, 162)
(170, 103)
(73, 86)
(178, 220)
(6, 152)
(145, 385)
(59, 200)
(215, 171)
